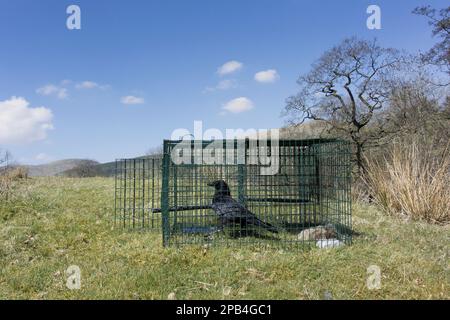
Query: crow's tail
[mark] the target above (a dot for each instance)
(265, 225)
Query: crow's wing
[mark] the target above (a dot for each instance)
(229, 210)
(227, 207)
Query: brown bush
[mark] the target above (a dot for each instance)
(5, 185)
(9, 177)
(18, 173)
(412, 180)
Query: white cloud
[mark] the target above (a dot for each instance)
(87, 85)
(132, 100)
(52, 90)
(267, 76)
(222, 85)
(229, 67)
(238, 105)
(90, 85)
(61, 91)
(21, 124)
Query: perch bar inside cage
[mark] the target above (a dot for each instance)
(281, 200)
(183, 208)
(208, 206)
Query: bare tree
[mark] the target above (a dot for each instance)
(346, 89)
(5, 161)
(86, 169)
(6, 178)
(439, 20)
(415, 111)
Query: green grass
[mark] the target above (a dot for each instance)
(52, 223)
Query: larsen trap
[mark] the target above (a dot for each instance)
(287, 192)
(138, 193)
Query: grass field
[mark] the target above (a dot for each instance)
(53, 223)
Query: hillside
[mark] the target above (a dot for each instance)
(106, 169)
(56, 167)
(308, 130)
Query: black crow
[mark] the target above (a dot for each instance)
(232, 212)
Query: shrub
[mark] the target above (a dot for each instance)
(412, 180)
(18, 173)
(9, 177)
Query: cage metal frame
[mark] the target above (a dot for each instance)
(313, 191)
(137, 193)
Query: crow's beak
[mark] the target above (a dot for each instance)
(212, 184)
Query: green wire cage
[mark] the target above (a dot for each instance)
(286, 192)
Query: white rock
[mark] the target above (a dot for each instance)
(329, 243)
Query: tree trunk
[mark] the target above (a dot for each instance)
(359, 158)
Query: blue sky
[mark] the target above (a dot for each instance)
(164, 56)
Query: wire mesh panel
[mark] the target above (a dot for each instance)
(237, 192)
(138, 193)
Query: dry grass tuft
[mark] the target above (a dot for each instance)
(412, 180)
(9, 177)
(18, 173)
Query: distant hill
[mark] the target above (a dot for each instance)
(91, 169)
(308, 130)
(108, 169)
(72, 168)
(56, 167)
